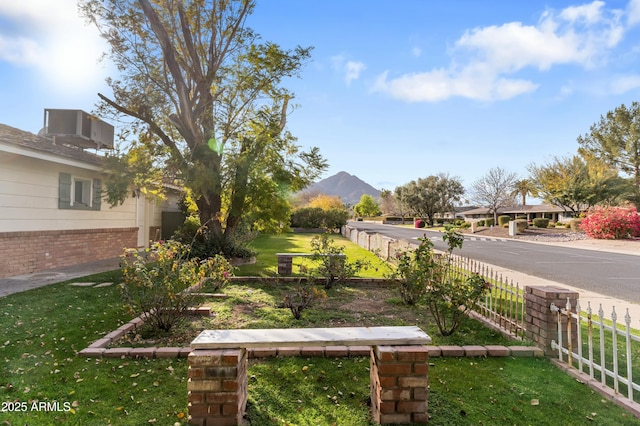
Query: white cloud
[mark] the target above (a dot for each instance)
(484, 60)
(416, 51)
(439, 85)
(633, 12)
(624, 84)
(52, 38)
(350, 69)
(590, 13)
(353, 70)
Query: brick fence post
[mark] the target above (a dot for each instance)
(399, 380)
(217, 386)
(541, 323)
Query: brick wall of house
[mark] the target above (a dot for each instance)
(28, 252)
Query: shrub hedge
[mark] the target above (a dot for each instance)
(541, 222)
(503, 220)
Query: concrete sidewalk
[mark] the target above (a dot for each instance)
(40, 279)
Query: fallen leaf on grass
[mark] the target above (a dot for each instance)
(535, 402)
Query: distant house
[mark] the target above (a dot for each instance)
(51, 208)
(554, 213)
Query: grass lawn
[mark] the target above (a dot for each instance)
(268, 245)
(42, 330)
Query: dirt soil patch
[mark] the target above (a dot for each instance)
(256, 305)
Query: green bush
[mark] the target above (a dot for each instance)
(448, 293)
(541, 222)
(332, 261)
(521, 225)
(503, 220)
(315, 217)
(307, 217)
(481, 222)
(204, 244)
(489, 222)
(335, 218)
(465, 225)
(157, 285)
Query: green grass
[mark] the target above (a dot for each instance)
(42, 330)
(268, 245)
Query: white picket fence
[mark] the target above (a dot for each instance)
(504, 304)
(606, 353)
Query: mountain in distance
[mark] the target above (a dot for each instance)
(348, 187)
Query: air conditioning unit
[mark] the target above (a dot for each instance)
(78, 128)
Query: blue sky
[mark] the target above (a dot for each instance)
(395, 90)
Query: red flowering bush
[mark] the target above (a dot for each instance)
(419, 223)
(612, 223)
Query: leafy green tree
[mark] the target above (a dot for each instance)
(367, 206)
(494, 190)
(205, 98)
(575, 184)
(435, 194)
(615, 139)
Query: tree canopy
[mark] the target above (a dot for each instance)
(615, 139)
(435, 194)
(205, 98)
(326, 202)
(367, 206)
(575, 184)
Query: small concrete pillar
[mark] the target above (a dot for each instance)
(399, 380)
(541, 323)
(217, 386)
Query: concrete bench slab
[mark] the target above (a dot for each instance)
(298, 337)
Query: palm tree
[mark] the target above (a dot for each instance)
(523, 187)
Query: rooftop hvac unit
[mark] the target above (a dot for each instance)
(76, 127)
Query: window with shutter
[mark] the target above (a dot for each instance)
(64, 191)
(79, 194)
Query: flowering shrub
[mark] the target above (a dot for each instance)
(419, 223)
(611, 223)
(157, 283)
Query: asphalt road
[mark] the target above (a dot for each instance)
(610, 274)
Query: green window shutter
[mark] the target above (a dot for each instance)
(97, 194)
(64, 191)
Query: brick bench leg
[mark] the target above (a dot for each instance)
(285, 265)
(399, 380)
(217, 386)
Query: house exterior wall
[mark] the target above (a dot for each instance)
(33, 251)
(36, 234)
(29, 194)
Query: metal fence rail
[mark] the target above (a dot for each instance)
(609, 351)
(504, 303)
